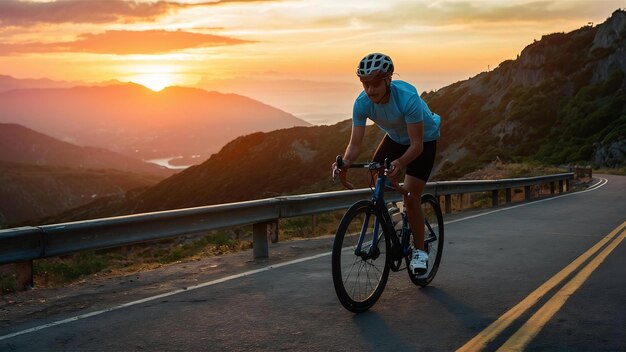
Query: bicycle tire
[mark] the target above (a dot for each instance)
(432, 213)
(358, 281)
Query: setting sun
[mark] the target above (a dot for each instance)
(154, 81)
(153, 75)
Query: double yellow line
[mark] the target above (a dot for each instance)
(520, 339)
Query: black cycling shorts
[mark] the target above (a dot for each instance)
(420, 167)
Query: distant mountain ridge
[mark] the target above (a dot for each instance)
(135, 121)
(560, 102)
(10, 83)
(19, 144)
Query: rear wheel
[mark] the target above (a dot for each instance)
(360, 278)
(433, 240)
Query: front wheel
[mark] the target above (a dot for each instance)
(360, 276)
(433, 240)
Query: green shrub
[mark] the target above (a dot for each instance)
(71, 267)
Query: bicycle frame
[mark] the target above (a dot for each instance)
(379, 202)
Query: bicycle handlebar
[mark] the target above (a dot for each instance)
(374, 165)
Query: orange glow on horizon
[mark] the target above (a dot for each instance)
(153, 81)
(299, 56)
(154, 75)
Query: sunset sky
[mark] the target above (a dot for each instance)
(297, 55)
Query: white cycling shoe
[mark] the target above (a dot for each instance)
(419, 262)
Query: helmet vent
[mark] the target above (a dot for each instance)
(375, 63)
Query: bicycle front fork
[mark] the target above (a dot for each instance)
(373, 251)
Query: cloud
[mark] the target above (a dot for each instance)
(18, 13)
(126, 42)
(27, 13)
(532, 11)
(467, 12)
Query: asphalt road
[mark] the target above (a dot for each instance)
(542, 276)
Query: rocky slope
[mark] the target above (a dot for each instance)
(561, 101)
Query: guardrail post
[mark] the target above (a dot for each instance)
(508, 195)
(448, 201)
(494, 198)
(552, 187)
(261, 233)
(527, 193)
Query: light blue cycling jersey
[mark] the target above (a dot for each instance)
(404, 106)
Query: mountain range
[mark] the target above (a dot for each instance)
(111, 128)
(10, 83)
(561, 101)
(132, 120)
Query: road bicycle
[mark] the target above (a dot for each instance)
(374, 237)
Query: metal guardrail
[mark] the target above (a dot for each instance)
(24, 244)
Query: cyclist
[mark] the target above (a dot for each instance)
(412, 131)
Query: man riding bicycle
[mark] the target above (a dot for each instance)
(412, 131)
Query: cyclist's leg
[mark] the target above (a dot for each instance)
(414, 209)
(417, 174)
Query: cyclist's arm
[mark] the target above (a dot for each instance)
(416, 135)
(352, 151)
(354, 147)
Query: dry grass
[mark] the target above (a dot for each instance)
(57, 271)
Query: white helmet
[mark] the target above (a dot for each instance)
(375, 66)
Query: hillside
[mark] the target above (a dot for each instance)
(260, 165)
(19, 144)
(40, 175)
(137, 122)
(561, 101)
(30, 192)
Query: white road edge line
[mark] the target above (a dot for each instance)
(600, 183)
(163, 295)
